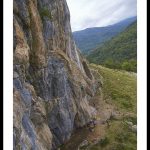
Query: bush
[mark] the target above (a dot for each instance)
(104, 142)
(129, 65)
(44, 12)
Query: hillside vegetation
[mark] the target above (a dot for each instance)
(91, 38)
(119, 89)
(120, 52)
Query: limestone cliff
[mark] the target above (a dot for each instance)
(52, 82)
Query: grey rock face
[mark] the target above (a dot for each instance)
(29, 129)
(52, 82)
(83, 144)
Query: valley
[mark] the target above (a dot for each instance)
(92, 38)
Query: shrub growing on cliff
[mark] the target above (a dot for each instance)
(44, 12)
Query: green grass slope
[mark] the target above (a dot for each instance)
(120, 52)
(119, 89)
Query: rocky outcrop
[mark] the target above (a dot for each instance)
(52, 81)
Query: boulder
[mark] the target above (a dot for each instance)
(134, 128)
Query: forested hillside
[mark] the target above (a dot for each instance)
(120, 52)
(91, 38)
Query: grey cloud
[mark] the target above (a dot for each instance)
(91, 13)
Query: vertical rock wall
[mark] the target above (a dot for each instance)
(52, 82)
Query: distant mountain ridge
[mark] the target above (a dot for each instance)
(91, 38)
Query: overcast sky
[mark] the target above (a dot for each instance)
(98, 13)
